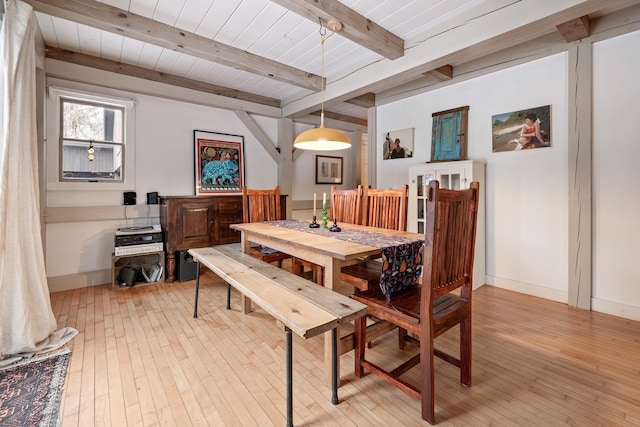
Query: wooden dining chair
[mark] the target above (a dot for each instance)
(386, 208)
(439, 303)
(259, 206)
(346, 207)
(382, 209)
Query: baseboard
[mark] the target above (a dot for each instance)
(79, 280)
(528, 288)
(598, 305)
(625, 311)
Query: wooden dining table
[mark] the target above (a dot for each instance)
(325, 250)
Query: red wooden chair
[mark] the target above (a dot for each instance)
(428, 309)
(259, 206)
(382, 209)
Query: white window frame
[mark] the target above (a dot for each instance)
(54, 180)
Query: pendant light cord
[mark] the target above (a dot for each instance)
(323, 33)
(323, 38)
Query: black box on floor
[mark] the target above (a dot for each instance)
(186, 267)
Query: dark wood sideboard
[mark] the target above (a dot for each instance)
(199, 221)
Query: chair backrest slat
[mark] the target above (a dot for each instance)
(260, 205)
(386, 208)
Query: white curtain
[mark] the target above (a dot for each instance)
(27, 323)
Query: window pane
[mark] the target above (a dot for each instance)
(106, 164)
(91, 122)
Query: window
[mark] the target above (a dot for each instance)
(92, 141)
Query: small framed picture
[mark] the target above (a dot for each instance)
(219, 163)
(398, 144)
(328, 170)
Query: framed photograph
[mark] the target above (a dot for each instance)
(521, 130)
(328, 170)
(398, 144)
(219, 163)
(449, 135)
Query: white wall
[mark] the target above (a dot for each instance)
(165, 147)
(616, 152)
(526, 191)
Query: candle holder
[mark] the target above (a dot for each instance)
(325, 217)
(314, 224)
(335, 227)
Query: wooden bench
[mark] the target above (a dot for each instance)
(297, 304)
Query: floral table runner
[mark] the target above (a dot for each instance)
(401, 256)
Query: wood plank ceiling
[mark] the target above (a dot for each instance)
(268, 52)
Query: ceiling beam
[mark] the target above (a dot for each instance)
(575, 29)
(342, 117)
(145, 73)
(356, 27)
(443, 73)
(125, 23)
(262, 137)
(368, 100)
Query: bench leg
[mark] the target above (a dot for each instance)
(334, 366)
(195, 305)
(228, 296)
(289, 379)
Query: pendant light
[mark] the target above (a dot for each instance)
(323, 138)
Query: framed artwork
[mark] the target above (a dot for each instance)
(449, 135)
(328, 170)
(521, 130)
(219, 163)
(398, 144)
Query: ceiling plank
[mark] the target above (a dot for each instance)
(356, 27)
(144, 73)
(368, 100)
(127, 24)
(443, 73)
(575, 29)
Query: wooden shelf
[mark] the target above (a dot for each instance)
(136, 261)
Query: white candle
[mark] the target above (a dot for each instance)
(314, 204)
(324, 200)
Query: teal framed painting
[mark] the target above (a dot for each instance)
(449, 135)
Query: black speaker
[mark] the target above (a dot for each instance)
(186, 267)
(152, 198)
(128, 276)
(129, 198)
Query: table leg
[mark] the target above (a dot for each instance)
(245, 244)
(331, 281)
(289, 378)
(195, 304)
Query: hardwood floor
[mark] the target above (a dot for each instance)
(141, 359)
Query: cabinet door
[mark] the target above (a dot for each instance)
(195, 222)
(420, 196)
(451, 179)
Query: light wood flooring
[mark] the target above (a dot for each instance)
(141, 359)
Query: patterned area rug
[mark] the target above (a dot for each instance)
(30, 393)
